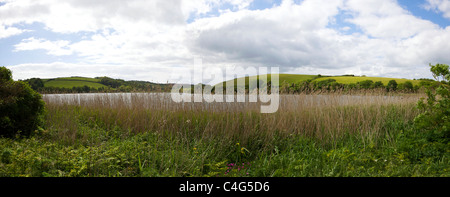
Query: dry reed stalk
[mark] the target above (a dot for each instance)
(324, 116)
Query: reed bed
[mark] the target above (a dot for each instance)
(327, 117)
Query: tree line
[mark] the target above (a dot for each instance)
(111, 86)
(308, 86)
(331, 85)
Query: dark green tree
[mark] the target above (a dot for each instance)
(366, 84)
(21, 108)
(408, 86)
(392, 85)
(378, 84)
(35, 83)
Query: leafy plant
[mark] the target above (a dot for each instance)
(435, 116)
(392, 85)
(21, 108)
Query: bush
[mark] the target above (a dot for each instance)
(378, 84)
(435, 116)
(366, 84)
(21, 108)
(392, 85)
(35, 83)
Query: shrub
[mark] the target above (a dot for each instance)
(435, 116)
(378, 84)
(408, 86)
(366, 84)
(21, 108)
(35, 83)
(392, 85)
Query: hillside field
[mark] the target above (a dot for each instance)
(295, 78)
(70, 82)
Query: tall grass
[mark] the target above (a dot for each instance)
(149, 135)
(325, 117)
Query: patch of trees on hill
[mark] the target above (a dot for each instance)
(308, 86)
(112, 85)
(331, 85)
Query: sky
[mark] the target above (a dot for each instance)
(155, 40)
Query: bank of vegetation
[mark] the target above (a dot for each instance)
(311, 135)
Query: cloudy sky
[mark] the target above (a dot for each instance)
(152, 40)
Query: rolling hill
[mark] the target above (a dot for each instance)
(70, 82)
(346, 79)
(98, 84)
(288, 78)
(349, 79)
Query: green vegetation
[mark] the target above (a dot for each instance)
(283, 78)
(72, 83)
(294, 84)
(21, 108)
(93, 85)
(435, 116)
(86, 142)
(333, 135)
(385, 81)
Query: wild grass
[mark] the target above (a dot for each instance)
(149, 135)
(326, 117)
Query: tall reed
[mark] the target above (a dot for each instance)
(324, 116)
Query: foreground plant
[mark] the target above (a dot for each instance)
(435, 116)
(21, 108)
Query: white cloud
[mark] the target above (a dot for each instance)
(57, 48)
(442, 6)
(146, 39)
(386, 19)
(9, 31)
(62, 69)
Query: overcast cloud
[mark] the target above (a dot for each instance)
(150, 40)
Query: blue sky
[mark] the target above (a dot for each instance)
(146, 41)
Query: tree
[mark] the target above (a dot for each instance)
(5, 74)
(392, 85)
(378, 84)
(21, 108)
(435, 116)
(114, 83)
(366, 84)
(408, 86)
(35, 83)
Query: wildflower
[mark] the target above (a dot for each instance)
(188, 121)
(237, 144)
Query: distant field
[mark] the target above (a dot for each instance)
(289, 78)
(293, 78)
(348, 80)
(78, 79)
(70, 82)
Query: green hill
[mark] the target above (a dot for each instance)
(92, 85)
(292, 80)
(288, 78)
(70, 82)
(350, 79)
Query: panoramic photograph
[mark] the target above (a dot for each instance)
(224, 88)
